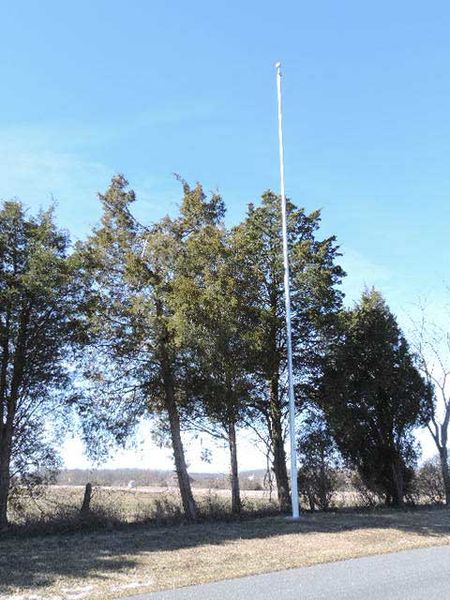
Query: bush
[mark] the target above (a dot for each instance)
(366, 498)
(317, 486)
(255, 484)
(429, 484)
(317, 479)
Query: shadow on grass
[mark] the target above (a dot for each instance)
(34, 563)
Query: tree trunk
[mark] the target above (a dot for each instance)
(234, 471)
(279, 453)
(323, 487)
(184, 484)
(6, 437)
(4, 485)
(443, 456)
(86, 506)
(397, 483)
(279, 464)
(8, 408)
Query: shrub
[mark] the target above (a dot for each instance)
(319, 458)
(429, 484)
(366, 498)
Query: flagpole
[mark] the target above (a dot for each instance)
(287, 298)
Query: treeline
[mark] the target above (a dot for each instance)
(183, 320)
(154, 478)
(113, 477)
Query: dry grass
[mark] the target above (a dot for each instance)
(118, 563)
(57, 508)
(143, 503)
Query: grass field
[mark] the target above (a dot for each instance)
(134, 559)
(60, 505)
(145, 503)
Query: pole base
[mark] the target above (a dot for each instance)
(294, 519)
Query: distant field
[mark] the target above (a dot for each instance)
(155, 489)
(105, 565)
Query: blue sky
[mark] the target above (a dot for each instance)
(153, 88)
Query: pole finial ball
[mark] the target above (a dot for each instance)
(277, 65)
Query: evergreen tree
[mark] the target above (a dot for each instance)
(212, 320)
(138, 364)
(373, 397)
(40, 295)
(315, 302)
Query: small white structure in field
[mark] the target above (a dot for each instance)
(131, 485)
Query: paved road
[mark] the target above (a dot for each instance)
(413, 575)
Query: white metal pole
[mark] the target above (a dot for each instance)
(287, 298)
